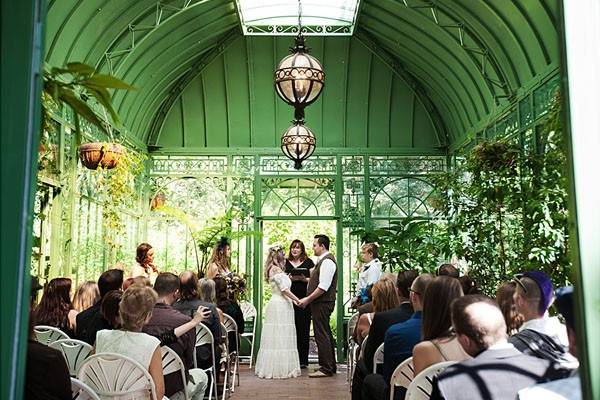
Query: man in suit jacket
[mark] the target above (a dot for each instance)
(380, 324)
(497, 370)
(91, 321)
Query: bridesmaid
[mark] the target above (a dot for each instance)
(219, 262)
(144, 255)
(298, 266)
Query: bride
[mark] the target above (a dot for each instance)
(278, 355)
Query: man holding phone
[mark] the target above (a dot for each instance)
(165, 318)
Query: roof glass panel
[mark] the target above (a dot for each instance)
(280, 17)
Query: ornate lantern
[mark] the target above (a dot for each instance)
(299, 78)
(298, 143)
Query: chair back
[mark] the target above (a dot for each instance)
(402, 376)
(362, 347)
(47, 334)
(352, 322)
(421, 386)
(378, 358)
(171, 362)
(81, 391)
(229, 324)
(74, 351)
(248, 310)
(204, 336)
(114, 375)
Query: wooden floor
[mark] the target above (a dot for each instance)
(332, 388)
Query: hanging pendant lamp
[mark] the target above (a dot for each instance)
(298, 143)
(299, 80)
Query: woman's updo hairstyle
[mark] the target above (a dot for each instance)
(136, 307)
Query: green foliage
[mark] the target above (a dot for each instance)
(205, 236)
(74, 83)
(506, 207)
(412, 243)
(119, 192)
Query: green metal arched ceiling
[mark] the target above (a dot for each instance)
(463, 60)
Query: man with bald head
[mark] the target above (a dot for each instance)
(497, 370)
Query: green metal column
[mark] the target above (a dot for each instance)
(582, 52)
(339, 245)
(22, 45)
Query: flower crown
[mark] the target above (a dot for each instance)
(275, 248)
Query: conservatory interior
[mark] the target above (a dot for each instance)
(438, 129)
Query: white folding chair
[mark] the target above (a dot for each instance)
(362, 347)
(249, 312)
(113, 375)
(233, 354)
(47, 334)
(402, 376)
(421, 386)
(171, 362)
(81, 391)
(74, 351)
(352, 345)
(378, 358)
(205, 337)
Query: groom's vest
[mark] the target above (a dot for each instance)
(313, 282)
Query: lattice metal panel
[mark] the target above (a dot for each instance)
(280, 165)
(403, 165)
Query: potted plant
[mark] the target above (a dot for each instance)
(73, 85)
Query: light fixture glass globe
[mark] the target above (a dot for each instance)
(299, 78)
(298, 143)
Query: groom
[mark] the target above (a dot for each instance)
(321, 297)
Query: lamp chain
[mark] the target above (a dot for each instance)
(299, 17)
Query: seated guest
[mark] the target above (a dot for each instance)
(55, 308)
(505, 297)
(540, 335)
(87, 295)
(385, 297)
(110, 308)
(381, 322)
(439, 341)
(164, 319)
(400, 339)
(498, 370)
(46, 372)
(448, 270)
(229, 307)
(567, 388)
(469, 286)
(91, 321)
(135, 310)
(207, 295)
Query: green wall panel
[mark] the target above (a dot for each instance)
(378, 122)
(469, 57)
(193, 115)
(364, 103)
(215, 105)
(334, 95)
(236, 78)
(357, 95)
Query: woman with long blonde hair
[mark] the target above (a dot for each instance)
(278, 355)
(219, 262)
(87, 295)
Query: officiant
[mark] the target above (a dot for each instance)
(298, 266)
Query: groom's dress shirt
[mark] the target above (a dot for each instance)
(327, 271)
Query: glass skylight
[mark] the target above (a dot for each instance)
(280, 17)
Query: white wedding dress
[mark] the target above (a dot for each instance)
(278, 354)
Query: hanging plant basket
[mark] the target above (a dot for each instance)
(105, 155)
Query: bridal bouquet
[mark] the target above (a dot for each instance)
(236, 286)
